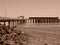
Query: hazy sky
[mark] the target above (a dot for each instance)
(15, 8)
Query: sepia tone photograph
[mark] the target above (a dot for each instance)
(29, 22)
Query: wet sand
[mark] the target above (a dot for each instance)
(42, 34)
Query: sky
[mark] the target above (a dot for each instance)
(27, 8)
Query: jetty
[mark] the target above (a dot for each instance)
(13, 20)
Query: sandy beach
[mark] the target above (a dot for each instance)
(42, 34)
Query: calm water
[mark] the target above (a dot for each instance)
(36, 25)
(52, 28)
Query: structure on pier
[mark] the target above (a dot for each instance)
(20, 17)
(43, 19)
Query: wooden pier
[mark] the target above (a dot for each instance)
(13, 20)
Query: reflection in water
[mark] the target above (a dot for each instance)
(41, 25)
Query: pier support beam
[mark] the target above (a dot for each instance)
(4, 23)
(13, 23)
(9, 24)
